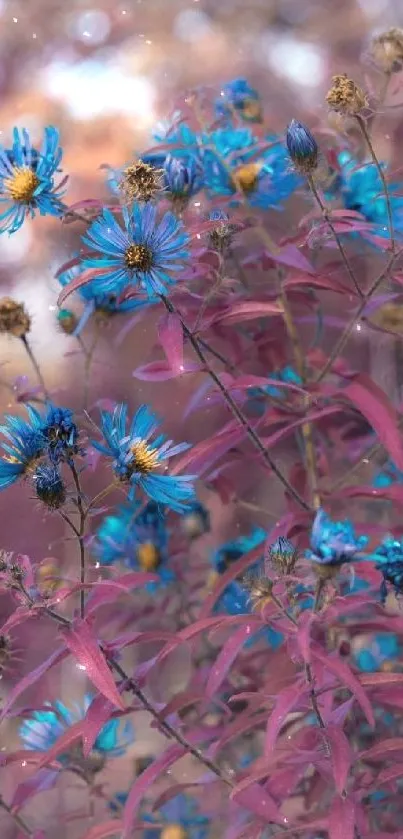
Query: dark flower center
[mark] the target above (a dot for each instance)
(139, 258)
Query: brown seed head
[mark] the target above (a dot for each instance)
(387, 50)
(345, 96)
(140, 182)
(13, 318)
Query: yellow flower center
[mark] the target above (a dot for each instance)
(148, 556)
(139, 258)
(252, 110)
(22, 184)
(145, 459)
(173, 831)
(246, 177)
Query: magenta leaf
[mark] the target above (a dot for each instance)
(225, 659)
(247, 310)
(285, 702)
(342, 819)
(258, 801)
(384, 749)
(43, 780)
(84, 646)
(170, 335)
(98, 714)
(142, 784)
(113, 827)
(31, 678)
(347, 677)
(341, 756)
(78, 282)
(106, 591)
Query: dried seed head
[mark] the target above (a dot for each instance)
(67, 321)
(259, 588)
(345, 96)
(386, 50)
(282, 555)
(140, 182)
(13, 318)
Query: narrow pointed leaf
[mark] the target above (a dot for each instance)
(143, 782)
(341, 756)
(170, 334)
(342, 819)
(285, 702)
(83, 645)
(347, 677)
(113, 827)
(31, 679)
(226, 658)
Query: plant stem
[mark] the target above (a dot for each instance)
(17, 819)
(307, 431)
(328, 220)
(367, 138)
(80, 537)
(35, 365)
(237, 413)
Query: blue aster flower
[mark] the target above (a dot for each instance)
(139, 540)
(360, 188)
(60, 432)
(230, 165)
(41, 731)
(145, 252)
(183, 177)
(108, 304)
(237, 95)
(136, 457)
(382, 648)
(389, 561)
(25, 444)
(334, 542)
(49, 485)
(27, 179)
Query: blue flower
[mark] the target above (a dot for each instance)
(334, 542)
(360, 188)
(135, 457)
(27, 183)
(389, 475)
(389, 561)
(54, 434)
(108, 304)
(183, 177)
(230, 165)
(25, 445)
(287, 374)
(240, 97)
(382, 648)
(181, 811)
(302, 147)
(49, 485)
(144, 253)
(139, 540)
(232, 551)
(41, 731)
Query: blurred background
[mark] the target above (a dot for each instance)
(105, 72)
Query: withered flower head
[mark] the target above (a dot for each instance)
(259, 588)
(140, 182)
(345, 96)
(67, 321)
(387, 50)
(14, 320)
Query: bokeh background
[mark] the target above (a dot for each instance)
(105, 72)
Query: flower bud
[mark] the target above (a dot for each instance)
(49, 486)
(302, 147)
(345, 96)
(67, 321)
(14, 320)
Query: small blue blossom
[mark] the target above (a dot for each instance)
(27, 184)
(183, 178)
(237, 95)
(302, 147)
(49, 485)
(145, 252)
(109, 304)
(232, 551)
(135, 457)
(360, 188)
(382, 648)
(25, 445)
(287, 374)
(61, 433)
(389, 561)
(389, 475)
(334, 542)
(41, 731)
(139, 540)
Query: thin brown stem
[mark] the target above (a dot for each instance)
(328, 220)
(35, 365)
(16, 818)
(82, 515)
(367, 138)
(237, 413)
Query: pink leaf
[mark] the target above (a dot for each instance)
(342, 819)
(98, 714)
(161, 371)
(341, 756)
(375, 406)
(83, 644)
(43, 780)
(170, 334)
(31, 678)
(316, 282)
(63, 744)
(258, 801)
(106, 590)
(381, 679)
(143, 782)
(285, 702)
(392, 773)
(347, 677)
(247, 310)
(100, 831)
(384, 749)
(78, 282)
(225, 659)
